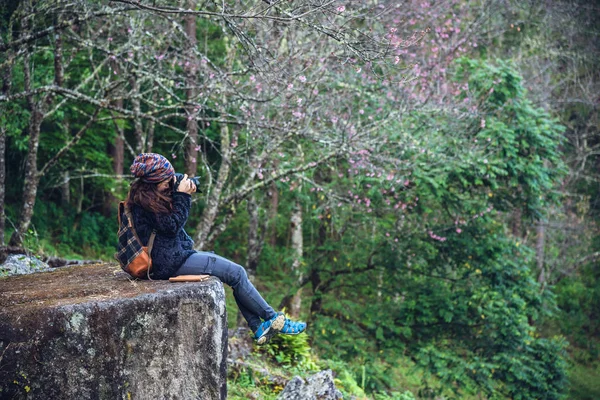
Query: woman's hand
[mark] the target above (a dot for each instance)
(186, 185)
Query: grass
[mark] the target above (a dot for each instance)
(584, 382)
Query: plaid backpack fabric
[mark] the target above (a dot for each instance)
(133, 257)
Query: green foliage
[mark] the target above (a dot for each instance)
(344, 379)
(72, 235)
(292, 351)
(579, 301)
(583, 382)
(244, 386)
(462, 312)
(407, 251)
(436, 276)
(524, 161)
(394, 396)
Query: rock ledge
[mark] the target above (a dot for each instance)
(89, 332)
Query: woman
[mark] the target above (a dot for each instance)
(156, 205)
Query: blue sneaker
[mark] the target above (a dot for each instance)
(292, 328)
(269, 328)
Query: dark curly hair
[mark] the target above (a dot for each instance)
(148, 196)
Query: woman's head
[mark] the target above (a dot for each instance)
(152, 188)
(152, 168)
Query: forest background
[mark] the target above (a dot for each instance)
(417, 179)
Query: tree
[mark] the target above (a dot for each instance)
(455, 282)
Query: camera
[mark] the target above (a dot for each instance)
(195, 180)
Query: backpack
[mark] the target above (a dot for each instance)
(134, 258)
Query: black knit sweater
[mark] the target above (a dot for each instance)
(172, 245)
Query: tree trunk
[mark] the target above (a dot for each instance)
(317, 303)
(137, 122)
(58, 62)
(516, 222)
(539, 252)
(65, 192)
(255, 244)
(6, 76)
(81, 196)
(150, 135)
(117, 151)
(315, 278)
(2, 182)
(298, 248)
(213, 199)
(254, 238)
(31, 172)
(191, 164)
(118, 155)
(32, 179)
(274, 193)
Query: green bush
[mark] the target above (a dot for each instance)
(292, 351)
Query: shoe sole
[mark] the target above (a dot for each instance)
(275, 327)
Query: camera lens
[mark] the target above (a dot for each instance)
(179, 176)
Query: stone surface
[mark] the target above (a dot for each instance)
(319, 386)
(89, 332)
(240, 344)
(19, 264)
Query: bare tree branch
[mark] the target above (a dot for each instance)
(66, 148)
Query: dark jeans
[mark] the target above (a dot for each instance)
(252, 306)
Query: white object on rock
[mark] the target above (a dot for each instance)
(21, 264)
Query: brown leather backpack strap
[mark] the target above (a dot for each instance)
(151, 241)
(130, 219)
(150, 244)
(121, 210)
